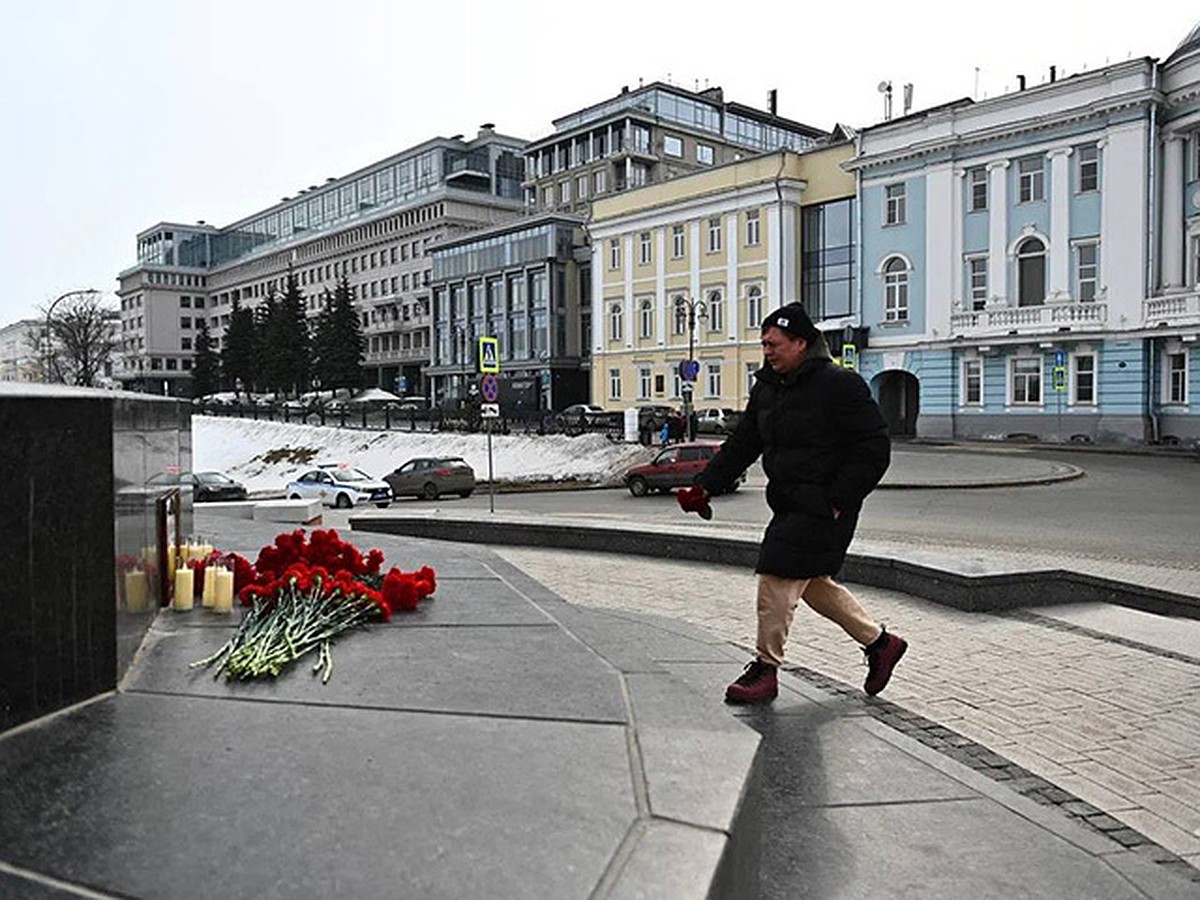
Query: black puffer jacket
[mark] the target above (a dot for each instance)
(824, 445)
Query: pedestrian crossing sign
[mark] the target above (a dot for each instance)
(489, 355)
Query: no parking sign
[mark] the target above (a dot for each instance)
(489, 387)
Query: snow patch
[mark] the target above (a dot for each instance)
(267, 455)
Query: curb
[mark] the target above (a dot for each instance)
(970, 593)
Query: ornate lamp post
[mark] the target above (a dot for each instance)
(695, 309)
(49, 328)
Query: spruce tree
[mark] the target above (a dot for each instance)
(206, 367)
(239, 359)
(288, 342)
(266, 374)
(343, 343)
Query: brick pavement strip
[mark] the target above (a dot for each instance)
(978, 673)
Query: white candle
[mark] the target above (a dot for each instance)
(137, 590)
(223, 597)
(185, 588)
(209, 596)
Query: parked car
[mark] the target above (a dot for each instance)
(578, 416)
(339, 486)
(206, 486)
(675, 466)
(432, 476)
(717, 421)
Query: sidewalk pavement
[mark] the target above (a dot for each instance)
(543, 727)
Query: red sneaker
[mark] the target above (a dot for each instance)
(882, 657)
(757, 684)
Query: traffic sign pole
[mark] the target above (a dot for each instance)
(491, 477)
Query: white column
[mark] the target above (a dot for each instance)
(998, 232)
(598, 268)
(1060, 224)
(627, 262)
(772, 300)
(1172, 211)
(731, 262)
(941, 259)
(956, 240)
(660, 286)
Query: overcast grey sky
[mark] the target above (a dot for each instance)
(116, 114)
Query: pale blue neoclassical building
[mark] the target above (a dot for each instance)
(1030, 264)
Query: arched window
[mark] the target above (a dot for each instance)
(895, 290)
(1031, 272)
(680, 315)
(647, 318)
(716, 311)
(754, 313)
(615, 323)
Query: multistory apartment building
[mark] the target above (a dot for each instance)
(688, 269)
(647, 136)
(19, 350)
(1030, 264)
(373, 227)
(525, 283)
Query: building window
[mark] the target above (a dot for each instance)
(895, 290)
(615, 323)
(714, 235)
(185, 343)
(614, 253)
(712, 380)
(644, 382)
(1175, 382)
(828, 257)
(704, 154)
(977, 281)
(1083, 384)
(548, 198)
(647, 319)
(581, 187)
(644, 256)
(1031, 272)
(894, 210)
(680, 315)
(1086, 257)
(677, 242)
(716, 311)
(185, 322)
(977, 180)
(641, 139)
(672, 146)
(753, 234)
(564, 192)
(614, 384)
(972, 382)
(598, 185)
(638, 175)
(1027, 380)
(1031, 180)
(1089, 168)
(754, 311)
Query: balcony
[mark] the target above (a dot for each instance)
(1029, 319)
(1171, 312)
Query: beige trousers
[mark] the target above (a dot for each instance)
(777, 602)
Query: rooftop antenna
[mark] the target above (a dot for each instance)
(885, 88)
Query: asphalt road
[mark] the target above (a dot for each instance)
(1127, 507)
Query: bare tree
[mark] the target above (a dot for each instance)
(77, 342)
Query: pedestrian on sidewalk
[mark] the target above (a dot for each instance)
(824, 446)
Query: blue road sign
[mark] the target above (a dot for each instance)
(489, 387)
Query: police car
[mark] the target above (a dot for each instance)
(340, 486)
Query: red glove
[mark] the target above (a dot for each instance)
(694, 499)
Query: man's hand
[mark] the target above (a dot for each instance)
(694, 499)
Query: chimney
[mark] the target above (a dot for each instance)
(1020, 82)
(1052, 72)
(908, 92)
(773, 101)
(486, 129)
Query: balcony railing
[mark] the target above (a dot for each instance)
(1182, 309)
(1028, 318)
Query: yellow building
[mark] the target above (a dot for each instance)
(688, 269)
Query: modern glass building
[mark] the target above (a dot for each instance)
(524, 283)
(373, 227)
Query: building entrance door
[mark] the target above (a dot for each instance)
(899, 399)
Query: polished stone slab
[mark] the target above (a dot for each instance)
(528, 671)
(150, 796)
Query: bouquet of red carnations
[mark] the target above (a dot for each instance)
(302, 593)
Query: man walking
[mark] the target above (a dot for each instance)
(824, 446)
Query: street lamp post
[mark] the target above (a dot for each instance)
(49, 328)
(696, 309)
